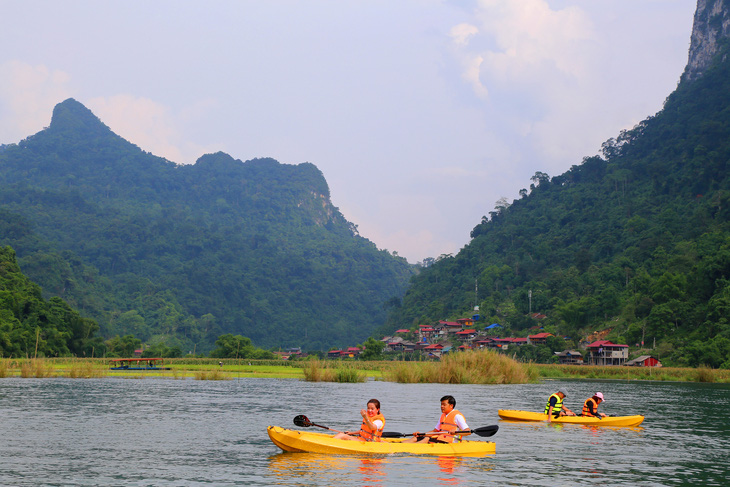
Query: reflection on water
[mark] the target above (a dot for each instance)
(157, 432)
(371, 470)
(447, 465)
(311, 468)
(321, 469)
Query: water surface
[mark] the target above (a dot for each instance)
(163, 432)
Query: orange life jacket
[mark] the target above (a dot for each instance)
(368, 434)
(447, 422)
(590, 405)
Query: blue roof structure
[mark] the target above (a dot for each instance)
(493, 325)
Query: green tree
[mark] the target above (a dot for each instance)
(123, 346)
(372, 349)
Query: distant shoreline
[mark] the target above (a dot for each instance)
(227, 369)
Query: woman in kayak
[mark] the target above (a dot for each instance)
(590, 408)
(373, 424)
(451, 421)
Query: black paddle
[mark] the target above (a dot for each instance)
(304, 422)
(483, 431)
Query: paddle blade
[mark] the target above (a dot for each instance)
(393, 434)
(302, 421)
(486, 430)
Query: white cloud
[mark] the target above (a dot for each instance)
(529, 35)
(472, 70)
(462, 33)
(28, 94)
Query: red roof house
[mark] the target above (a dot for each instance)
(605, 352)
(644, 361)
(540, 338)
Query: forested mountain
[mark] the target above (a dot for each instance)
(636, 242)
(184, 253)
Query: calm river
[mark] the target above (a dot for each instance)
(164, 432)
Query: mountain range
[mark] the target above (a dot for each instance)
(180, 254)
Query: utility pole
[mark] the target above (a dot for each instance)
(529, 295)
(476, 294)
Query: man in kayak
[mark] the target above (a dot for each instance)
(373, 424)
(590, 408)
(451, 421)
(555, 407)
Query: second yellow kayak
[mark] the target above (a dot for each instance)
(515, 415)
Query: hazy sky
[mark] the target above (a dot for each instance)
(420, 113)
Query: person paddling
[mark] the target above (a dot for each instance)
(451, 420)
(590, 408)
(372, 427)
(555, 408)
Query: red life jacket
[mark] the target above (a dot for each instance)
(447, 422)
(368, 434)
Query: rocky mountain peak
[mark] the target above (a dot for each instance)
(711, 27)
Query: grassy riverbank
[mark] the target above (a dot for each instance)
(461, 368)
(674, 374)
(202, 369)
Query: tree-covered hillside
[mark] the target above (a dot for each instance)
(636, 241)
(185, 253)
(33, 327)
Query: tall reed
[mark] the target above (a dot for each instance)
(470, 367)
(4, 368)
(215, 374)
(35, 368)
(85, 369)
(705, 374)
(319, 371)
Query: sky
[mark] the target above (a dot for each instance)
(421, 114)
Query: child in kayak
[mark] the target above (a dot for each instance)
(451, 420)
(372, 427)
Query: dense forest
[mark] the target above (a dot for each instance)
(182, 254)
(636, 242)
(30, 326)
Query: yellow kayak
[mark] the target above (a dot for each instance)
(514, 415)
(304, 441)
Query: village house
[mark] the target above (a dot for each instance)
(349, 352)
(451, 327)
(604, 352)
(539, 339)
(501, 343)
(644, 361)
(570, 357)
(481, 342)
(426, 332)
(434, 349)
(398, 344)
(466, 336)
(465, 322)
